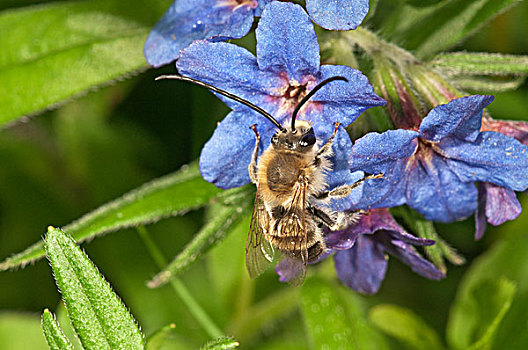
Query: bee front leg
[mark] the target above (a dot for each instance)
(326, 149)
(252, 168)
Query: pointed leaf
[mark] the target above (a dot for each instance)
(21, 330)
(480, 63)
(334, 319)
(238, 202)
(480, 84)
(171, 195)
(99, 317)
(157, 340)
(439, 27)
(53, 333)
(405, 326)
(80, 45)
(477, 313)
(223, 343)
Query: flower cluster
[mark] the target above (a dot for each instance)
(447, 165)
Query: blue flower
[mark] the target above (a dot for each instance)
(220, 20)
(189, 20)
(360, 252)
(285, 69)
(433, 170)
(497, 204)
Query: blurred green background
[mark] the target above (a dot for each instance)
(61, 164)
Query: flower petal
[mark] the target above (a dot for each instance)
(226, 156)
(344, 101)
(493, 157)
(231, 68)
(369, 223)
(286, 42)
(516, 129)
(189, 20)
(501, 204)
(415, 261)
(377, 153)
(459, 118)
(387, 192)
(338, 14)
(437, 193)
(341, 174)
(363, 266)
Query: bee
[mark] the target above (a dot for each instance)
(290, 176)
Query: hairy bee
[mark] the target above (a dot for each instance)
(290, 176)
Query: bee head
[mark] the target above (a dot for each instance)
(301, 139)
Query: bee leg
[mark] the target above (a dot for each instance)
(326, 149)
(336, 222)
(345, 190)
(252, 168)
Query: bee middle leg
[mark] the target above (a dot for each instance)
(252, 168)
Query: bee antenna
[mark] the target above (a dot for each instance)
(310, 94)
(226, 94)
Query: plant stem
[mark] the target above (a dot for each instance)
(179, 287)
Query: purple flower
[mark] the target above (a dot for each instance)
(433, 170)
(361, 252)
(285, 69)
(497, 204)
(220, 20)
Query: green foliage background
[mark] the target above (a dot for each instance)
(59, 164)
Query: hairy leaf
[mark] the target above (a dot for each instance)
(99, 317)
(173, 194)
(480, 63)
(157, 340)
(57, 51)
(53, 333)
(224, 219)
(223, 343)
(439, 27)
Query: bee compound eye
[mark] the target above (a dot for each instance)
(307, 140)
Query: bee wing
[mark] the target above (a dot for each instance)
(259, 252)
(296, 262)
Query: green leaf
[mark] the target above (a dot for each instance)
(481, 84)
(405, 326)
(21, 331)
(53, 333)
(478, 311)
(173, 194)
(334, 319)
(223, 343)
(439, 27)
(99, 317)
(157, 340)
(60, 50)
(222, 222)
(480, 63)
